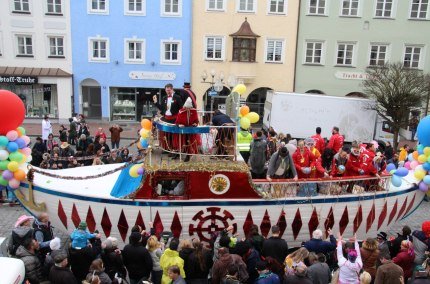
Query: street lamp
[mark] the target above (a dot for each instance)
(216, 84)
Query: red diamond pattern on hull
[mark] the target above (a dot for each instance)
(105, 223)
(176, 227)
(410, 206)
(344, 220)
(265, 224)
(248, 223)
(75, 216)
(402, 209)
(282, 223)
(297, 224)
(358, 219)
(393, 213)
(91, 222)
(329, 222)
(313, 222)
(382, 216)
(370, 218)
(61, 214)
(139, 221)
(158, 225)
(122, 226)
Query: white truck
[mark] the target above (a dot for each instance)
(299, 115)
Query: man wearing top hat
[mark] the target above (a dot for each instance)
(186, 93)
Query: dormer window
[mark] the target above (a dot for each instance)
(244, 43)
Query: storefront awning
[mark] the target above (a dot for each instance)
(34, 72)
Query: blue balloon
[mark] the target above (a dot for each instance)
(426, 179)
(411, 157)
(391, 167)
(426, 166)
(423, 131)
(144, 143)
(420, 147)
(3, 141)
(12, 147)
(420, 151)
(20, 142)
(396, 181)
(401, 172)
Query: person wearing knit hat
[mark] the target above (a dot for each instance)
(60, 272)
(20, 233)
(80, 236)
(350, 267)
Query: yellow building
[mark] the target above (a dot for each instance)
(243, 41)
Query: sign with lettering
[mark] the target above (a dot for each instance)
(18, 79)
(351, 75)
(145, 75)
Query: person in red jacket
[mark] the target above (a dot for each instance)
(319, 141)
(353, 165)
(303, 159)
(405, 259)
(367, 158)
(324, 164)
(187, 143)
(336, 140)
(339, 163)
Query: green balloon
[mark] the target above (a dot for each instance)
(392, 172)
(15, 156)
(3, 141)
(3, 165)
(21, 129)
(3, 181)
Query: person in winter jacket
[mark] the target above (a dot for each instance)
(250, 256)
(155, 249)
(281, 166)
(137, 259)
(275, 246)
(369, 254)
(303, 160)
(115, 135)
(257, 159)
(224, 262)
(395, 244)
(97, 269)
(323, 166)
(60, 272)
(336, 140)
(265, 276)
(318, 271)
(403, 155)
(244, 139)
(295, 259)
(171, 257)
(185, 250)
(63, 133)
(231, 277)
(80, 237)
(43, 232)
(421, 242)
(317, 245)
(299, 276)
(349, 268)
(319, 141)
(175, 275)
(73, 133)
(388, 271)
(199, 264)
(405, 259)
(27, 252)
(112, 259)
(22, 232)
(255, 239)
(354, 165)
(339, 163)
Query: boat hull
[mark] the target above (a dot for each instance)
(364, 214)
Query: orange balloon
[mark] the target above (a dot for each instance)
(19, 175)
(244, 110)
(146, 124)
(415, 155)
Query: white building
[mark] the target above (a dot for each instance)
(36, 55)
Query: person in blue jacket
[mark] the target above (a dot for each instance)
(317, 245)
(80, 236)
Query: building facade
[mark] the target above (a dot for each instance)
(36, 55)
(243, 41)
(338, 40)
(125, 51)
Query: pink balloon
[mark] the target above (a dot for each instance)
(26, 151)
(13, 183)
(26, 139)
(407, 165)
(414, 164)
(12, 135)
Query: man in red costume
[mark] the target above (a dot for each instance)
(319, 141)
(354, 166)
(336, 140)
(303, 159)
(187, 116)
(367, 158)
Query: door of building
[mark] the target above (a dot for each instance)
(92, 102)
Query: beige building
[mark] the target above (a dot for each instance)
(243, 41)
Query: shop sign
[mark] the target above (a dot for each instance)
(145, 75)
(351, 75)
(18, 79)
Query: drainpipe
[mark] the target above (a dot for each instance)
(297, 45)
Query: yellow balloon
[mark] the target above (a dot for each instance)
(240, 89)
(427, 151)
(144, 133)
(13, 166)
(253, 117)
(419, 174)
(422, 159)
(245, 123)
(133, 171)
(24, 159)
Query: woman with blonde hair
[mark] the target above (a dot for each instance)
(294, 259)
(365, 278)
(155, 249)
(369, 255)
(405, 259)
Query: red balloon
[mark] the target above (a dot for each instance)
(12, 111)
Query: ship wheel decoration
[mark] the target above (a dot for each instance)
(219, 184)
(211, 223)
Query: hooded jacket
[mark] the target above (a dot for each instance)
(33, 267)
(257, 158)
(369, 256)
(169, 258)
(19, 235)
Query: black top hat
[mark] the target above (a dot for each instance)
(187, 85)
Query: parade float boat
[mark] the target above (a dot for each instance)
(208, 194)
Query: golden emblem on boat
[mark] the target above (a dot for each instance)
(219, 184)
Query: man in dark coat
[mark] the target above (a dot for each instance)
(224, 134)
(186, 93)
(317, 245)
(136, 258)
(226, 260)
(257, 158)
(395, 244)
(388, 272)
(275, 246)
(60, 273)
(43, 232)
(28, 254)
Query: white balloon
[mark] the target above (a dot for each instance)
(3, 155)
(29, 159)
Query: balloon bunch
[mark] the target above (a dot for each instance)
(397, 174)
(14, 154)
(136, 170)
(145, 133)
(247, 117)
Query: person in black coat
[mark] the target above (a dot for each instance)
(224, 134)
(198, 264)
(136, 258)
(112, 259)
(169, 105)
(317, 245)
(60, 273)
(275, 246)
(80, 261)
(38, 149)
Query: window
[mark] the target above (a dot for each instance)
(378, 54)
(56, 46)
(278, 7)
(412, 57)
(345, 54)
(246, 6)
(419, 9)
(25, 46)
(98, 6)
(384, 8)
(54, 7)
(214, 48)
(244, 49)
(274, 50)
(171, 52)
(135, 51)
(99, 49)
(21, 6)
(134, 7)
(314, 52)
(215, 5)
(317, 7)
(171, 8)
(349, 8)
